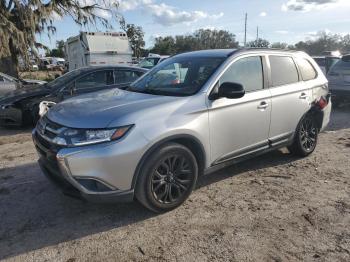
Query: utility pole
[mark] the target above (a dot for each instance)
(257, 33)
(245, 29)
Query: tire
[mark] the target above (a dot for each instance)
(306, 136)
(167, 178)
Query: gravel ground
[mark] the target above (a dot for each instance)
(272, 208)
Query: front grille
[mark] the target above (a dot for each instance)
(45, 132)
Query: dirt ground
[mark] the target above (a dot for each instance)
(273, 208)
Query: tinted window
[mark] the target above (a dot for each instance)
(246, 71)
(126, 76)
(95, 79)
(2, 79)
(341, 65)
(307, 71)
(283, 70)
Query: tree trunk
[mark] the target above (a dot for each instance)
(9, 66)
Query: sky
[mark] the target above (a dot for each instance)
(287, 21)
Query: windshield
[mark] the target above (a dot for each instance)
(64, 79)
(341, 65)
(178, 76)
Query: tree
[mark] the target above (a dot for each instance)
(199, 40)
(279, 45)
(58, 51)
(323, 42)
(21, 20)
(135, 35)
(260, 43)
(164, 46)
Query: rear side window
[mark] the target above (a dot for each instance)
(95, 79)
(283, 70)
(246, 71)
(307, 71)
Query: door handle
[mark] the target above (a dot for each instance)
(303, 96)
(263, 105)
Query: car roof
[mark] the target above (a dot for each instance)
(94, 68)
(229, 52)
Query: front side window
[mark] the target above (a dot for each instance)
(247, 71)
(178, 76)
(307, 71)
(283, 70)
(95, 79)
(126, 76)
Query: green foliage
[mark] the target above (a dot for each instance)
(201, 39)
(57, 52)
(135, 35)
(21, 20)
(261, 43)
(325, 42)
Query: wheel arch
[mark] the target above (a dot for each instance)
(317, 114)
(189, 141)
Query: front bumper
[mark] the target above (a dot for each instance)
(10, 116)
(55, 166)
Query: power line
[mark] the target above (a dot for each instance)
(245, 29)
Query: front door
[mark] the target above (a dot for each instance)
(241, 126)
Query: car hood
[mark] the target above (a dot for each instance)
(99, 109)
(23, 92)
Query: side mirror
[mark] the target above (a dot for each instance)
(228, 90)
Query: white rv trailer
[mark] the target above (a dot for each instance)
(98, 48)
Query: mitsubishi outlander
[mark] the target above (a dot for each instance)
(190, 115)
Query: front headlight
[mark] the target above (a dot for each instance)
(81, 137)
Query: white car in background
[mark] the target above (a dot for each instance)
(152, 60)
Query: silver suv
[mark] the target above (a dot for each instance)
(190, 115)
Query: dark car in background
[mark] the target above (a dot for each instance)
(21, 106)
(9, 83)
(326, 62)
(339, 81)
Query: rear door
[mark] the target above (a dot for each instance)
(291, 98)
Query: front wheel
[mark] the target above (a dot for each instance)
(167, 178)
(305, 138)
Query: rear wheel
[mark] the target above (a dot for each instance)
(167, 179)
(306, 136)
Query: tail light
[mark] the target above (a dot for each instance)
(322, 103)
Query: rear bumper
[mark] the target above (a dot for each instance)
(57, 171)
